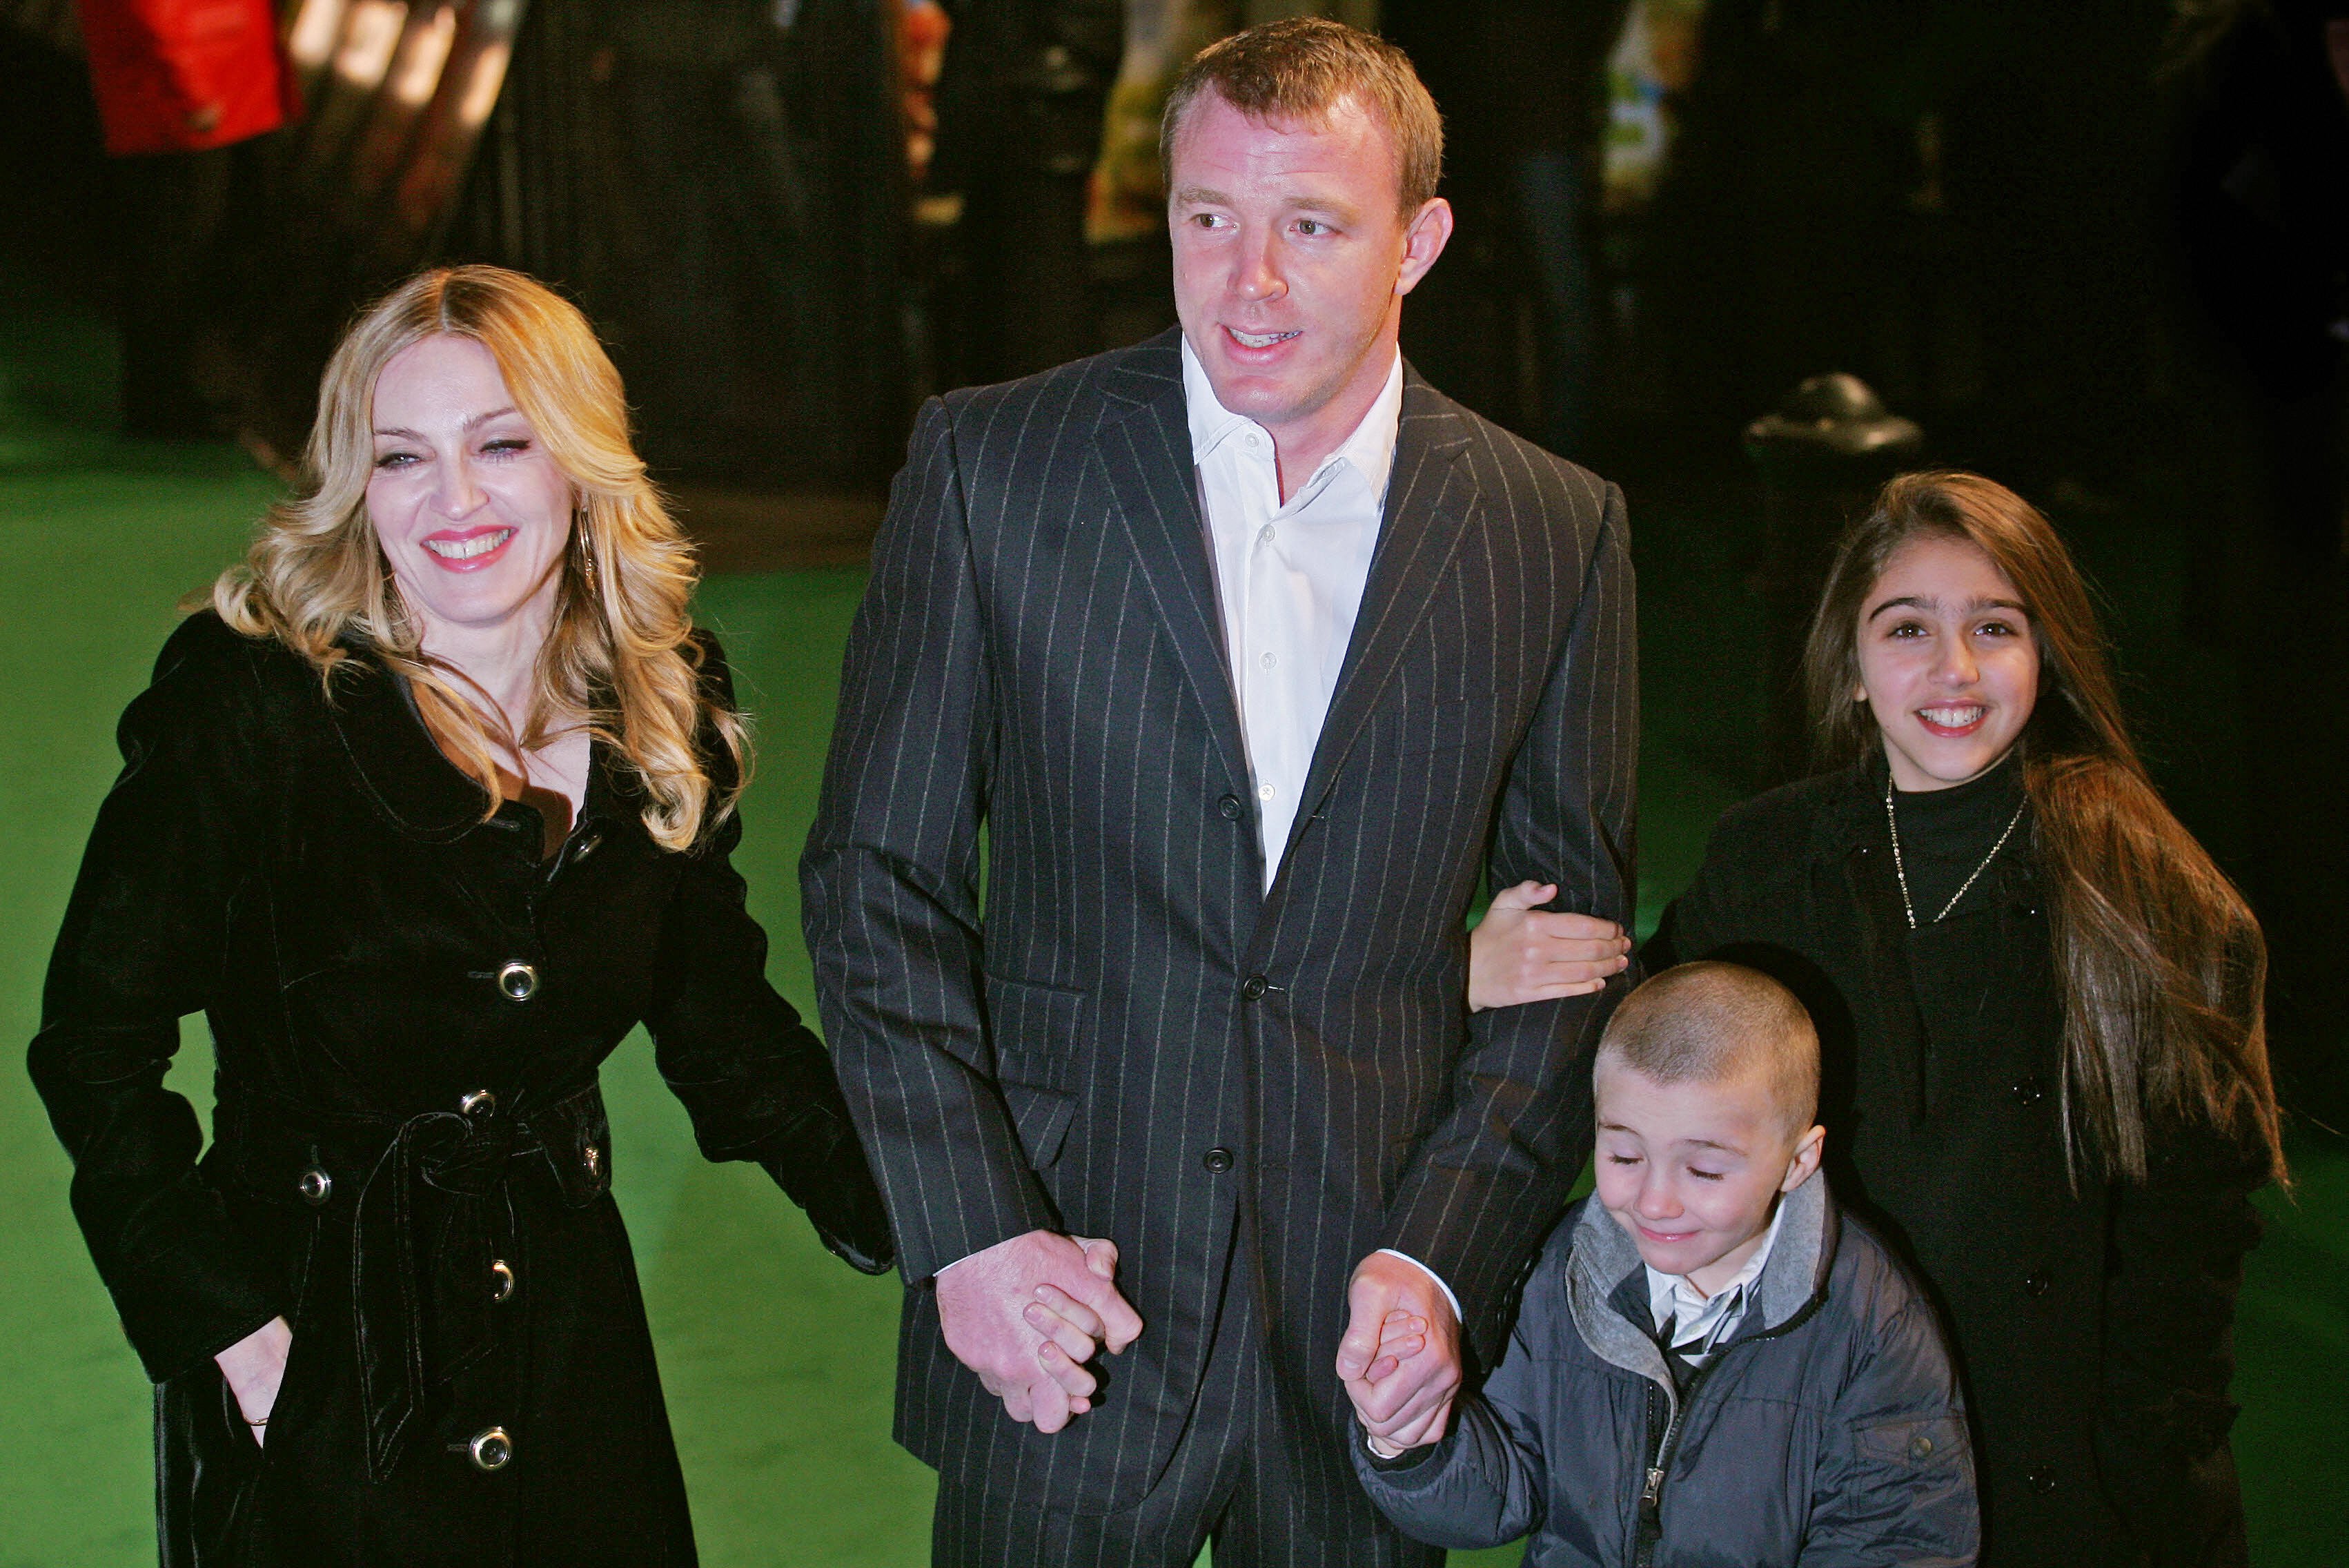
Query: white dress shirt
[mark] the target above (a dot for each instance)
(1289, 578)
(1705, 1322)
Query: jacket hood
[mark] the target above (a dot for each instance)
(1793, 1281)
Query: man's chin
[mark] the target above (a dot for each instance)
(1271, 398)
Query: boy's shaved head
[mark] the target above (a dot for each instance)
(1714, 1023)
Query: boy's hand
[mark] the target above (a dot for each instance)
(1400, 1337)
(1520, 953)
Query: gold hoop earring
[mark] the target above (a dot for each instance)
(586, 545)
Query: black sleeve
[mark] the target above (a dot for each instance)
(2176, 1264)
(1486, 1182)
(142, 945)
(756, 1081)
(890, 881)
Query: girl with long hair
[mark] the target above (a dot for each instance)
(2047, 1077)
(430, 808)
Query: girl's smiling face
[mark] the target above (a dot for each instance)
(1948, 663)
(472, 514)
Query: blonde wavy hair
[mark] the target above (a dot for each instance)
(621, 651)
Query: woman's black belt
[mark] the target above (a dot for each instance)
(432, 1220)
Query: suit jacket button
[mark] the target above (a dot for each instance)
(1231, 807)
(1217, 1161)
(2041, 1478)
(519, 980)
(1254, 987)
(490, 1449)
(315, 1187)
(2030, 1091)
(2037, 1285)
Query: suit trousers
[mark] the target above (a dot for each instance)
(1228, 1484)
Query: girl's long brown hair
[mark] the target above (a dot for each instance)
(620, 654)
(2159, 959)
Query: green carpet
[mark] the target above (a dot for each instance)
(777, 1359)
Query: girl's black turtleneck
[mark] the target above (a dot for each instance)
(1945, 834)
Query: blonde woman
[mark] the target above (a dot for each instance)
(428, 810)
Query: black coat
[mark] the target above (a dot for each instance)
(410, 1161)
(1137, 1040)
(2092, 1327)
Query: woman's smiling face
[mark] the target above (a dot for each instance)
(473, 515)
(1948, 663)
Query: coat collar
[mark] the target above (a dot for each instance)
(1605, 1267)
(1791, 1282)
(1850, 819)
(401, 769)
(1144, 446)
(1796, 1275)
(403, 773)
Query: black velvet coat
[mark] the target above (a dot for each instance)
(2092, 1329)
(410, 1161)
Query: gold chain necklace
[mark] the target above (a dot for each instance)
(1900, 871)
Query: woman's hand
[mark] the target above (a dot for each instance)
(1518, 953)
(255, 1366)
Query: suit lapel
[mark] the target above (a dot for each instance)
(1430, 498)
(1144, 447)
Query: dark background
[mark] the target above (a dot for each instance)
(2095, 249)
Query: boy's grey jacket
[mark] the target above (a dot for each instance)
(1828, 1430)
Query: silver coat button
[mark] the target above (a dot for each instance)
(315, 1187)
(519, 980)
(501, 1277)
(479, 1103)
(490, 1449)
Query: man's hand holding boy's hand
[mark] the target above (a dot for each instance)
(1401, 1358)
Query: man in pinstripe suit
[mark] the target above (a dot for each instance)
(1238, 657)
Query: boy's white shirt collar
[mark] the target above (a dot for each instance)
(1710, 1319)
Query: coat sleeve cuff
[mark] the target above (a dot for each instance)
(177, 1330)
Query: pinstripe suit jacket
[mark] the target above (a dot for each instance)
(1036, 682)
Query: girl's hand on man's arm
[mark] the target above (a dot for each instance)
(1521, 953)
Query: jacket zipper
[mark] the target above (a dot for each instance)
(1652, 1490)
(1651, 1494)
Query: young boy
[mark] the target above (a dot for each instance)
(1712, 1364)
